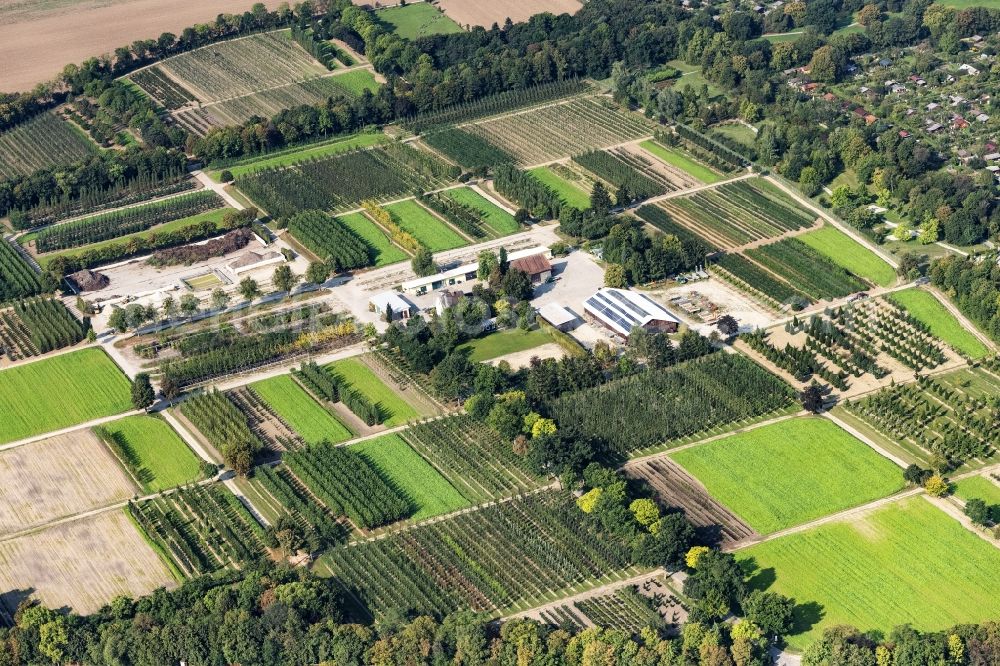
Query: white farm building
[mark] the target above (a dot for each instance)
(621, 310)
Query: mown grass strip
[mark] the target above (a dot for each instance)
(300, 411)
(929, 310)
(423, 485)
(849, 254)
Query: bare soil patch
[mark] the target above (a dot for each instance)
(58, 477)
(80, 565)
(477, 12)
(39, 38)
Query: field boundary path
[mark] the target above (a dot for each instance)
(753, 426)
(70, 429)
(962, 319)
(599, 591)
(218, 188)
(857, 434)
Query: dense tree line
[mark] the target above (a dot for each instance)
(104, 172)
(973, 284)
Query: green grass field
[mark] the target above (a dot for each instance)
(846, 252)
(496, 218)
(298, 409)
(737, 132)
(356, 81)
(430, 493)
(361, 378)
(925, 307)
(285, 158)
(908, 562)
(978, 487)
(427, 228)
(791, 472)
(682, 162)
(505, 342)
(417, 19)
(161, 457)
(59, 392)
(385, 252)
(212, 215)
(570, 193)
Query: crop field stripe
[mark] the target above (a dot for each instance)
(360, 378)
(241, 66)
(570, 193)
(560, 130)
(59, 392)
(384, 251)
(806, 268)
(211, 216)
(496, 218)
(430, 492)
(882, 570)
(681, 161)
(425, 226)
(287, 158)
(926, 308)
(45, 140)
(161, 456)
(297, 408)
(791, 472)
(849, 254)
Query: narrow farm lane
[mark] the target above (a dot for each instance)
(71, 429)
(867, 440)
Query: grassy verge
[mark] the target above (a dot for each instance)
(682, 162)
(925, 307)
(300, 411)
(848, 253)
